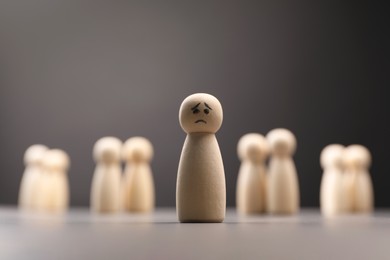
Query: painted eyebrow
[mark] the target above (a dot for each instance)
(207, 106)
(195, 107)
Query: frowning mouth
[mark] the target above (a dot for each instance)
(200, 121)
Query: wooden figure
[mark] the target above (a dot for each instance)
(106, 182)
(201, 188)
(358, 183)
(28, 187)
(138, 186)
(53, 185)
(252, 150)
(332, 194)
(283, 187)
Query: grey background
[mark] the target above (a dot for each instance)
(74, 71)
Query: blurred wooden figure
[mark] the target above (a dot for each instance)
(28, 187)
(358, 183)
(332, 193)
(201, 187)
(283, 187)
(138, 185)
(53, 193)
(252, 150)
(106, 182)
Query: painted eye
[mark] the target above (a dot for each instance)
(195, 111)
(206, 111)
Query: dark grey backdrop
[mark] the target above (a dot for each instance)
(72, 72)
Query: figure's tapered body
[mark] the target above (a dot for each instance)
(105, 190)
(54, 192)
(332, 194)
(251, 188)
(29, 187)
(359, 191)
(138, 188)
(364, 196)
(201, 190)
(283, 191)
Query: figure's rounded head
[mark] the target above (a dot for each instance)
(332, 156)
(34, 154)
(56, 159)
(107, 150)
(137, 149)
(282, 142)
(253, 147)
(200, 113)
(357, 156)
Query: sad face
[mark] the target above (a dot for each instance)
(200, 113)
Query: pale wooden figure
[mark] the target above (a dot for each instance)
(201, 188)
(332, 194)
(252, 150)
(106, 182)
(28, 187)
(358, 183)
(283, 187)
(138, 185)
(53, 193)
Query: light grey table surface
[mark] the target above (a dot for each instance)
(82, 235)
